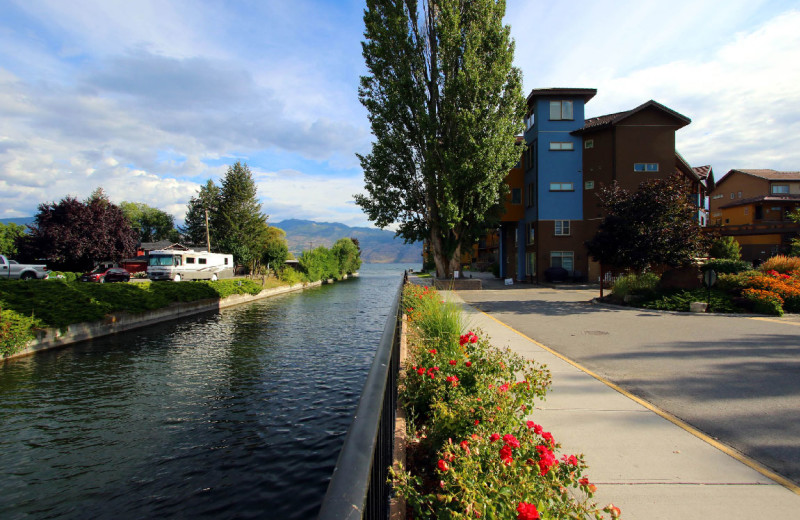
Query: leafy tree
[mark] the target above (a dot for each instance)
(347, 255)
(654, 225)
(276, 248)
(152, 224)
(194, 228)
(73, 235)
(725, 247)
(320, 263)
(794, 216)
(239, 224)
(445, 104)
(9, 234)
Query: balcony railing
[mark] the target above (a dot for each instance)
(760, 228)
(359, 486)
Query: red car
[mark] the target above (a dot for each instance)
(103, 275)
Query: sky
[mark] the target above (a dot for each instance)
(149, 99)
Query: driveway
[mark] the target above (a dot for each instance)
(736, 378)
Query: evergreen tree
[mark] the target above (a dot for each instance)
(445, 105)
(239, 224)
(194, 228)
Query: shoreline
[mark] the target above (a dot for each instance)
(113, 323)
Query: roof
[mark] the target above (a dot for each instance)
(766, 174)
(585, 93)
(597, 123)
(161, 245)
(763, 198)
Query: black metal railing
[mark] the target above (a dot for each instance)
(359, 487)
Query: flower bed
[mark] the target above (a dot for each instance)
(475, 451)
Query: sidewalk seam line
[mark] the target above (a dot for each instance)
(752, 464)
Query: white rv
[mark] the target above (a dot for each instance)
(189, 265)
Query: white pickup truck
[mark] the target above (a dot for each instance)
(11, 270)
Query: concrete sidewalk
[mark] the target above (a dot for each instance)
(646, 465)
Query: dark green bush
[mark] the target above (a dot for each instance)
(680, 301)
(15, 331)
(727, 266)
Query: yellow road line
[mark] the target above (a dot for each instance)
(791, 486)
(773, 320)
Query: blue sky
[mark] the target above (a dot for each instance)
(149, 99)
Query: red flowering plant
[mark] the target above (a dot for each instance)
(471, 451)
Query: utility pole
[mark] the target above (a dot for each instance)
(208, 233)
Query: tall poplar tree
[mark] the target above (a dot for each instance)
(445, 105)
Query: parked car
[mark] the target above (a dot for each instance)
(103, 275)
(13, 270)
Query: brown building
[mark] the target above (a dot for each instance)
(753, 206)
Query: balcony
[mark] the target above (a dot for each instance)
(766, 227)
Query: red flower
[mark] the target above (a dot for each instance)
(526, 511)
(473, 339)
(477, 422)
(494, 437)
(572, 460)
(546, 459)
(468, 363)
(432, 351)
(505, 455)
(511, 440)
(443, 465)
(420, 371)
(453, 362)
(504, 387)
(548, 437)
(452, 379)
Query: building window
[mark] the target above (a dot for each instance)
(562, 227)
(565, 259)
(778, 189)
(201, 261)
(189, 260)
(589, 143)
(516, 196)
(531, 194)
(645, 167)
(733, 195)
(739, 194)
(562, 146)
(716, 214)
(562, 186)
(529, 120)
(746, 211)
(530, 265)
(718, 196)
(226, 261)
(531, 233)
(560, 110)
(589, 185)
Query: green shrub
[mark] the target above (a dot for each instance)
(292, 276)
(320, 264)
(736, 283)
(725, 248)
(680, 301)
(64, 276)
(645, 283)
(16, 331)
(727, 266)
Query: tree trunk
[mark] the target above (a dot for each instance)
(437, 250)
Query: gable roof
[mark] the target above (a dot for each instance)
(766, 174)
(600, 122)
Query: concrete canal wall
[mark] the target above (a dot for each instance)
(122, 321)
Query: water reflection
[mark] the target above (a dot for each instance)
(238, 414)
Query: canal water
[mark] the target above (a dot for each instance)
(235, 414)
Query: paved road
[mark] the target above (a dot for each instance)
(735, 378)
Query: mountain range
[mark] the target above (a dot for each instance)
(377, 246)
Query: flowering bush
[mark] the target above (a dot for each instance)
(473, 451)
(765, 302)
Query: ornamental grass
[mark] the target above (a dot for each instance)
(474, 449)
